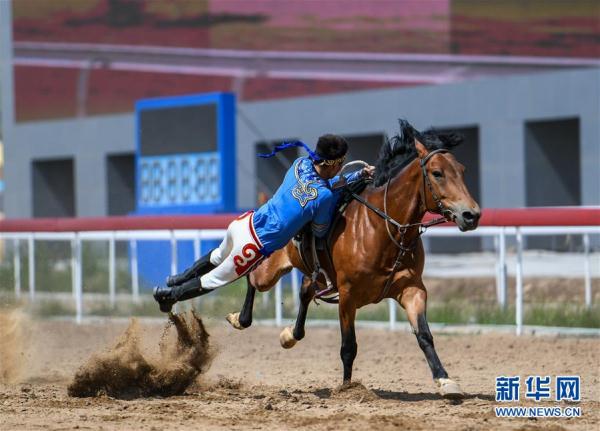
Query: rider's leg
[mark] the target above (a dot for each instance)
(168, 296)
(199, 268)
(242, 256)
(205, 264)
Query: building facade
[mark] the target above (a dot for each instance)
(529, 142)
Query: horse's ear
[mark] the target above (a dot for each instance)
(421, 150)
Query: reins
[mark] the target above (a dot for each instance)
(403, 228)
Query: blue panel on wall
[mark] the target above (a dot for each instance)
(185, 157)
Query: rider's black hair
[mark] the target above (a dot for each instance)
(331, 147)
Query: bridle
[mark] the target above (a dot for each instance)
(441, 209)
(426, 181)
(403, 228)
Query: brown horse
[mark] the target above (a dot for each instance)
(374, 258)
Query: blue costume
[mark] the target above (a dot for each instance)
(303, 197)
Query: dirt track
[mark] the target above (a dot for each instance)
(255, 384)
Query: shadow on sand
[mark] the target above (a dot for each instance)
(426, 396)
(325, 393)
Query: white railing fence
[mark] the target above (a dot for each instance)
(499, 235)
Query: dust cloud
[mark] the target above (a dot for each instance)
(12, 345)
(126, 371)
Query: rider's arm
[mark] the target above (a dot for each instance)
(349, 178)
(325, 205)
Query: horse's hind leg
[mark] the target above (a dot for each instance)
(263, 278)
(243, 319)
(414, 301)
(289, 336)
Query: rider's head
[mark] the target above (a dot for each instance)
(332, 150)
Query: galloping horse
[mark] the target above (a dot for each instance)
(379, 254)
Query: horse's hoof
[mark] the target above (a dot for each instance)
(286, 338)
(234, 320)
(450, 389)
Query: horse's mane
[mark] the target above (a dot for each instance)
(400, 150)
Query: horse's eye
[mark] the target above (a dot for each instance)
(437, 174)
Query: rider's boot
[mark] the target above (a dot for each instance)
(168, 296)
(198, 269)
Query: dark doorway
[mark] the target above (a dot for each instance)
(53, 188)
(553, 173)
(552, 163)
(120, 178)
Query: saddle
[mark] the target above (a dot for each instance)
(316, 252)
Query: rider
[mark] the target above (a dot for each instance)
(309, 193)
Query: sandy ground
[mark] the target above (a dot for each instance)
(254, 384)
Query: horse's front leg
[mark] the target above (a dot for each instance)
(347, 312)
(289, 336)
(414, 301)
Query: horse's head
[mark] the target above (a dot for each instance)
(444, 190)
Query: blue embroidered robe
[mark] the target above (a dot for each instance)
(303, 197)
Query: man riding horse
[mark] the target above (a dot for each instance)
(375, 248)
(308, 194)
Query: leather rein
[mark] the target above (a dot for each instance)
(403, 228)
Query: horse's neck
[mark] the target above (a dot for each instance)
(403, 205)
(403, 195)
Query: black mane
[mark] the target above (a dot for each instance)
(400, 150)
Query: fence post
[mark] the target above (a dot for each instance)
(31, 256)
(77, 277)
(74, 269)
(112, 288)
(295, 288)
(392, 310)
(173, 253)
(135, 286)
(278, 307)
(588, 275)
(17, 267)
(178, 307)
(498, 265)
(519, 283)
(265, 297)
(197, 249)
(501, 270)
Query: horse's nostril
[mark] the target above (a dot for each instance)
(468, 215)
